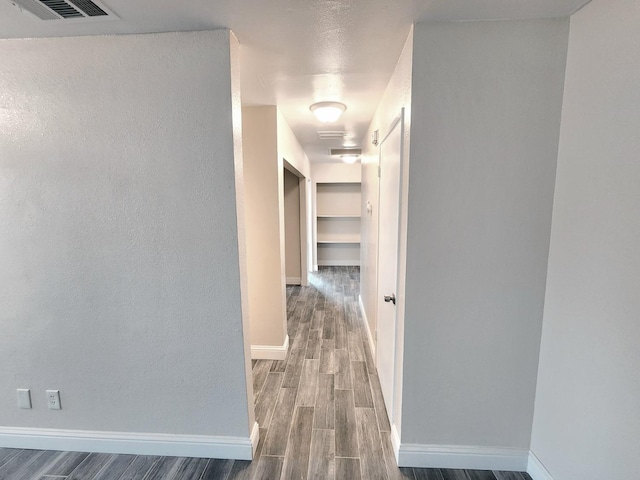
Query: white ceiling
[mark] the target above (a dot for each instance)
(297, 52)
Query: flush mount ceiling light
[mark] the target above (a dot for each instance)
(347, 155)
(351, 158)
(328, 112)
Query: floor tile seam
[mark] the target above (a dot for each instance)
(23, 467)
(268, 420)
(78, 466)
(148, 472)
(359, 443)
(205, 469)
(289, 440)
(8, 459)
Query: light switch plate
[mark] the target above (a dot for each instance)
(24, 398)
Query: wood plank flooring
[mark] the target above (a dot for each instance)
(320, 411)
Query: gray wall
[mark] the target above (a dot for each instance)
(587, 410)
(485, 123)
(119, 235)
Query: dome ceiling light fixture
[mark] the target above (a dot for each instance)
(328, 112)
(350, 158)
(347, 155)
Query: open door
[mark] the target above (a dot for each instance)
(388, 254)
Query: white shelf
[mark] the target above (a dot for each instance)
(338, 223)
(337, 242)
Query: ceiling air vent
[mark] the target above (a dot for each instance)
(331, 135)
(345, 151)
(64, 9)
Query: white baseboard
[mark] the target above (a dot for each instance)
(294, 280)
(372, 344)
(462, 457)
(268, 352)
(315, 268)
(536, 469)
(339, 263)
(395, 442)
(201, 446)
(255, 438)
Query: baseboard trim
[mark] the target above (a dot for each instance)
(372, 344)
(395, 442)
(201, 446)
(462, 457)
(338, 263)
(294, 280)
(255, 438)
(536, 469)
(269, 352)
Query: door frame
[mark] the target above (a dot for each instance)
(304, 222)
(392, 410)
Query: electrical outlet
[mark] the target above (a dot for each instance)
(24, 398)
(53, 399)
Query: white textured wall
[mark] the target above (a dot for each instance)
(264, 208)
(291, 152)
(396, 97)
(120, 282)
(587, 410)
(290, 149)
(486, 104)
(336, 172)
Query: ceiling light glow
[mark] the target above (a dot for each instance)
(352, 158)
(328, 112)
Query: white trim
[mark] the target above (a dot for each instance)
(294, 280)
(372, 344)
(255, 438)
(200, 446)
(269, 352)
(395, 441)
(338, 263)
(536, 469)
(462, 457)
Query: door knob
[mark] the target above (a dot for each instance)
(390, 298)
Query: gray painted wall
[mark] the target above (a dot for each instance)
(587, 410)
(486, 101)
(119, 236)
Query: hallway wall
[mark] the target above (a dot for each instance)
(396, 97)
(587, 411)
(120, 283)
(292, 227)
(264, 184)
(486, 109)
(267, 142)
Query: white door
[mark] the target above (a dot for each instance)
(388, 233)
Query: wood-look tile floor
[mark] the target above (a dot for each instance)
(320, 411)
